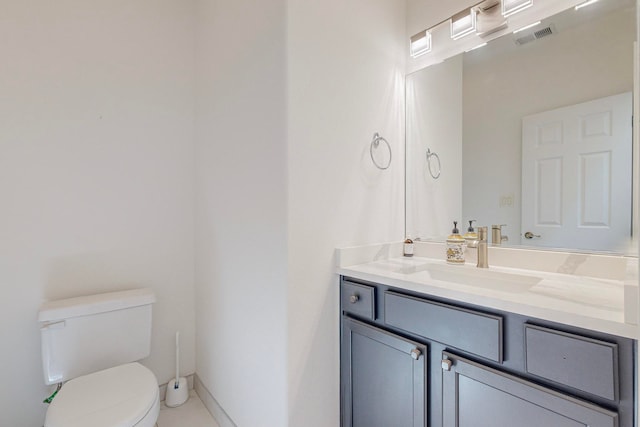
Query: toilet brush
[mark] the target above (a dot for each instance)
(177, 389)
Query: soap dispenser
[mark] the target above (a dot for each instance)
(455, 246)
(471, 242)
(470, 236)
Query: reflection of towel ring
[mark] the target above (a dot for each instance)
(435, 175)
(374, 144)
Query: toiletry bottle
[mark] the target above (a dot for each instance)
(408, 247)
(471, 243)
(455, 246)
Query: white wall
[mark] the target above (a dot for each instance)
(434, 122)
(346, 81)
(96, 173)
(97, 182)
(274, 200)
(241, 273)
(575, 65)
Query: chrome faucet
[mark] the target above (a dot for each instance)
(483, 251)
(496, 234)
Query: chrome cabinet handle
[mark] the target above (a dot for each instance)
(354, 299)
(415, 354)
(530, 235)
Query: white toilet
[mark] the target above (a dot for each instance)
(91, 344)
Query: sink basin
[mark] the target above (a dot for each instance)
(472, 276)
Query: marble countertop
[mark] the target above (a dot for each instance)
(598, 303)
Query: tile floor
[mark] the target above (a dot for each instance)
(191, 414)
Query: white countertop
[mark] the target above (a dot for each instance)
(596, 303)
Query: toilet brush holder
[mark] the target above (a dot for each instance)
(177, 392)
(178, 388)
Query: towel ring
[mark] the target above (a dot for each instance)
(435, 175)
(374, 144)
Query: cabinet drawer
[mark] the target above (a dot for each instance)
(468, 330)
(584, 363)
(358, 299)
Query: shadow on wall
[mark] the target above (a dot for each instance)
(313, 365)
(94, 273)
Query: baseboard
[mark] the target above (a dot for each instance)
(212, 405)
(163, 387)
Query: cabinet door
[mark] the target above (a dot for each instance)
(383, 378)
(478, 396)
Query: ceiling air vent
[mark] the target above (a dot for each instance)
(535, 35)
(543, 33)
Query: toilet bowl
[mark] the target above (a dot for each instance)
(91, 345)
(123, 396)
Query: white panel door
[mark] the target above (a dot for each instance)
(576, 175)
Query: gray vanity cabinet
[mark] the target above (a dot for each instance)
(476, 395)
(409, 359)
(383, 378)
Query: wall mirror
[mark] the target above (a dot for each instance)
(534, 131)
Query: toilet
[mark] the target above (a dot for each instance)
(91, 346)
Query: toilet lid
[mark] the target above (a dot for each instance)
(115, 397)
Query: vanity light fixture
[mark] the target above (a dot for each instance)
(463, 23)
(509, 7)
(420, 44)
(586, 3)
(526, 27)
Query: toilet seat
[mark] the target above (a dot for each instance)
(123, 396)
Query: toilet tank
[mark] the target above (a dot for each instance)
(87, 334)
